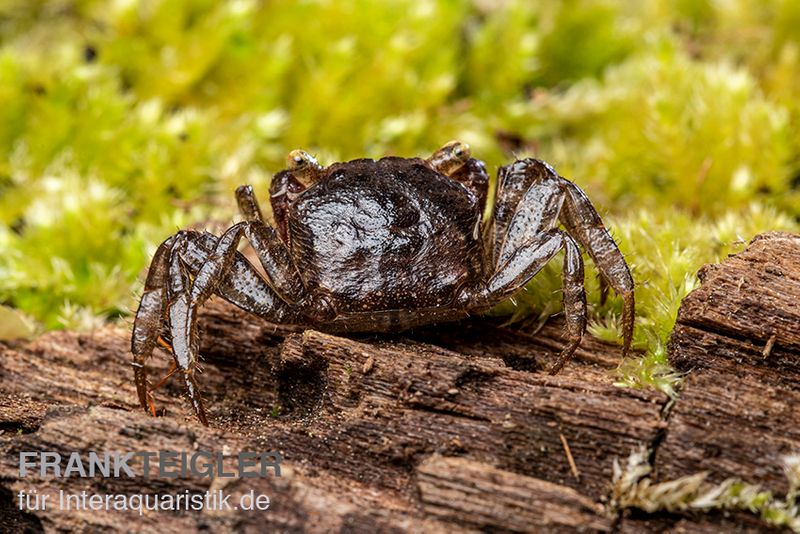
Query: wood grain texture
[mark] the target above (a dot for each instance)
(453, 428)
(753, 295)
(739, 413)
(457, 489)
(354, 418)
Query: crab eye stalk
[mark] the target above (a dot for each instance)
(303, 166)
(450, 157)
(460, 151)
(299, 159)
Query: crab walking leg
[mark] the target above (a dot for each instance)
(275, 258)
(574, 301)
(186, 294)
(529, 204)
(248, 205)
(529, 186)
(187, 252)
(582, 221)
(182, 320)
(603, 288)
(150, 316)
(527, 261)
(242, 286)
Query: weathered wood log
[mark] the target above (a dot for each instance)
(400, 403)
(467, 492)
(753, 295)
(355, 419)
(738, 336)
(449, 428)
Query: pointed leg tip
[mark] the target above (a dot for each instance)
(195, 398)
(628, 322)
(604, 286)
(565, 357)
(559, 365)
(200, 411)
(141, 393)
(626, 347)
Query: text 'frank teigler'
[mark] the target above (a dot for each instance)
(150, 464)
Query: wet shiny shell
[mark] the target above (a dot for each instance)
(386, 234)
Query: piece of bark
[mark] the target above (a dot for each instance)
(752, 295)
(354, 419)
(739, 412)
(470, 493)
(298, 503)
(418, 399)
(735, 420)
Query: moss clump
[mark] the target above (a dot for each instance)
(633, 488)
(124, 121)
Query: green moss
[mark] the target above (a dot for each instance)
(661, 130)
(633, 488)
(124, 121)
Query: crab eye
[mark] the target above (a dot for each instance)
(451, 157)
(298, 159)
(460, 150)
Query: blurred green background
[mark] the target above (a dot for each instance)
(122, 121)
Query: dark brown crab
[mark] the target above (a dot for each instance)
(379, 246)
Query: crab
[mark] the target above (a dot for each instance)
(379, 246)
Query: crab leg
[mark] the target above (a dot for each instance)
(514, 183)
(532, 195)
(166, 296)
(248, 205)
(172, 368)
(526, 238)
(150, 315)
(525, 262)
(182, 319)
(582, 221)
(282, 277)
(529, 200)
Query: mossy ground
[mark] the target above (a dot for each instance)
(122, 121)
